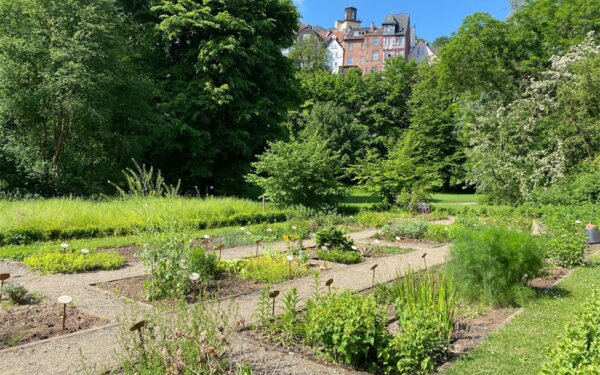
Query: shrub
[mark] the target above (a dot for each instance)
(425, 310)
(73, 261)
(494, 264)
(337, 256)
(268, 269)
(577, 351)
(348, 328)
(306, 173)
(18, 294)
(414, 229)
(334, 238)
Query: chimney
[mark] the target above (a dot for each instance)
(351, 13)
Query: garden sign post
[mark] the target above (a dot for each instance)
(65, 300)
(3, 276)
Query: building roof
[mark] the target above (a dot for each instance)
(399, 18)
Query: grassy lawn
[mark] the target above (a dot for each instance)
(363, 199)
(360, 198)
(27, 221)
(521, 346)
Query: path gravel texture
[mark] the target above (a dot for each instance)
(65, 354)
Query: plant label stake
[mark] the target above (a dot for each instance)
(220, 247)
(328, 284)
(3, 276)
(398, 239)
(194, 277)
(373, 280)
(65, 300)
(85, 252)
(425, 260)
(64, 247)
(257, 243)
(289, 259)
(274, 295)
(137, 327)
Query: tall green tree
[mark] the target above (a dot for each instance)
(309, 54)
(72, 106)
(227, 86)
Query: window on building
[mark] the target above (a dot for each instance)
(362, 46)
(375, 41)
(362, 61)
(373, 69)
(375, 56)
(350, 61)
(350, 46)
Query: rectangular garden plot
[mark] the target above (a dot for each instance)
(21, 324)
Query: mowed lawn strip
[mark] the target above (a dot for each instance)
(522, 345)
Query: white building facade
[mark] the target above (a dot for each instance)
(335, 55)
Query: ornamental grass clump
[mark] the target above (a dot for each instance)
(493, 265)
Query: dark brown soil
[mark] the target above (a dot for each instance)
(548, 281)
(23, 324)
(130, 253)
(225, 286)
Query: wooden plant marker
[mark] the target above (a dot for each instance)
(373, 280)
(137, 327)
(194, 277)
(85, 252)
(257, 243)
(220, 247)
(64, 247)
(328, 284)
(65, 300)
(290, 259)
(3, 276)
(424, 256)
(274, 295)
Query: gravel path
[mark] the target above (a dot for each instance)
(64, 354)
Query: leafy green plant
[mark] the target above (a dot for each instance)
(577, 351)
(564, 231)
(348, 328)
(338, 256)
(142, 182)
(493, 265)
(203, 263)
(441, 233)
(334, 238)
(268, 269)
(166, 257)
(413, 229)
(18, 294)
(73, 261)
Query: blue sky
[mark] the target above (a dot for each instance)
(433, 18)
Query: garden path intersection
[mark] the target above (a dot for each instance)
(95, 347)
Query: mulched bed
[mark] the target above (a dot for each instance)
(225, 286)
(29, 323)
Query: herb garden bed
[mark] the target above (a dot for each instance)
(21, 324)
(225, 285)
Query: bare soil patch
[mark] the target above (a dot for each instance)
(226, 285)
(22, 324)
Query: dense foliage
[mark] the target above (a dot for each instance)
(53, 261)
(577, 351)
(493, 265)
